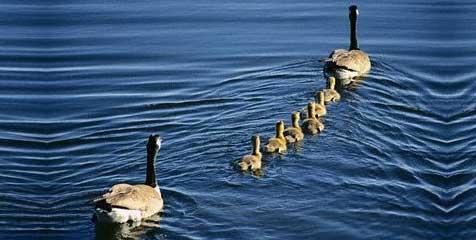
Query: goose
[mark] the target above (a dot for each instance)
(330, 94)
(312, 125)
(348, 64)
(252, 160)
(125, 203)
(294, 134)
(320, 108)
(277, 143)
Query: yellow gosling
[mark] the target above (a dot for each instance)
(312, 125)
(294, 134)
(278, 143)
(252, 161)
(330, 94)
(320, 107)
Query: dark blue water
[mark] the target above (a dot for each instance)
(83, 83)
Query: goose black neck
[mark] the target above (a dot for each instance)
(150, 171)
(353, 32)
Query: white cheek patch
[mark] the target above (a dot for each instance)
(357, 11)
(159, 143)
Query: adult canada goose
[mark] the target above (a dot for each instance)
(277, 143)
(347, 64)
(311, 124)
(330, 94)
(252, 160)
(294, 134)
(124, 202)
(320, 108)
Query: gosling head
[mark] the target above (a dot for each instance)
(332, 83)
(310, 110)
(319, 97)
(295, 118)
(353, 12)
(154, 143)
(255, 140)
(279, 127)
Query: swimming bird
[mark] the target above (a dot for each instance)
(330, 94)
(320, 108)
(252, 160)
(348, 64)
(312, 125)
(123, 202)
(294, 134)
(277, 143)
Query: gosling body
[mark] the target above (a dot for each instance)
(330, 94)
(277, 143)
(312, 125)
(320, 109)
(252, 161)
(294, 134)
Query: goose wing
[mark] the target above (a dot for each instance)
(134, 197)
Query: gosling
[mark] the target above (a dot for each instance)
(320, 107)
(330, 94)
(278, 143)
(312, 125)
(294, 134)
(252, 160)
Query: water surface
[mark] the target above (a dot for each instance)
(83, 83)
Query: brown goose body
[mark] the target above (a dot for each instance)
(343, 64)
(144, 198)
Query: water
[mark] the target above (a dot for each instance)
(83, 83)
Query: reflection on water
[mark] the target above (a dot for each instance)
(83, 83)
(131, 230)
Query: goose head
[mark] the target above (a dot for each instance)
(353, 12)
(154, 143)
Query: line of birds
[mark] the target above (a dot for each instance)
(124, 203)
(341, 64)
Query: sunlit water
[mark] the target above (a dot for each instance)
(83, 83)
